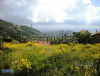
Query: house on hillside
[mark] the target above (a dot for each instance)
(84, 31)
(96, 37)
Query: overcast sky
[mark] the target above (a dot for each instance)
(47, 15)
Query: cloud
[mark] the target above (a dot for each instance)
(54, 10)
(62, 11)
(92, 14)
(49, 12)
(16, 11)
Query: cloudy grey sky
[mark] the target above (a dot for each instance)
(47, 15)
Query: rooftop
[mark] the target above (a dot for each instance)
(83, 31)
(96, 33)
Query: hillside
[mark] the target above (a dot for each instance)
(59, 33)
(14, 31)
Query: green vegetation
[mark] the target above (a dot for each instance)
(84, 38)
(15, 32)
(32, 59)
(59, 33)
(62, 59)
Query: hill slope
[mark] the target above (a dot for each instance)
(13, 31)
(59, 33)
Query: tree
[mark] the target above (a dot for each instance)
(84, 37)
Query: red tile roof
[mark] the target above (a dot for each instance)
(96, 33)
(83, 31)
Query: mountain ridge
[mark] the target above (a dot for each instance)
(59, 33)
(14, 31)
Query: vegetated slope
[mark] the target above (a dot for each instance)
(14, 31)
(59, 33)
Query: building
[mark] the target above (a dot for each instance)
(84, 31)
(43, 42)
(96, 37)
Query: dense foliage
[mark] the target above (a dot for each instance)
(16, 32)
(32, 59)
(84, 37)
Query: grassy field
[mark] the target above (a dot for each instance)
(32, 59)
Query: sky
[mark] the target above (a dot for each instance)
(50, 15)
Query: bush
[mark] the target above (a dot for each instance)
(5, 39)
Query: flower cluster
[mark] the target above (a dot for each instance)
(21, 64)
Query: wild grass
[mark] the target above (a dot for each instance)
(32, 59)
